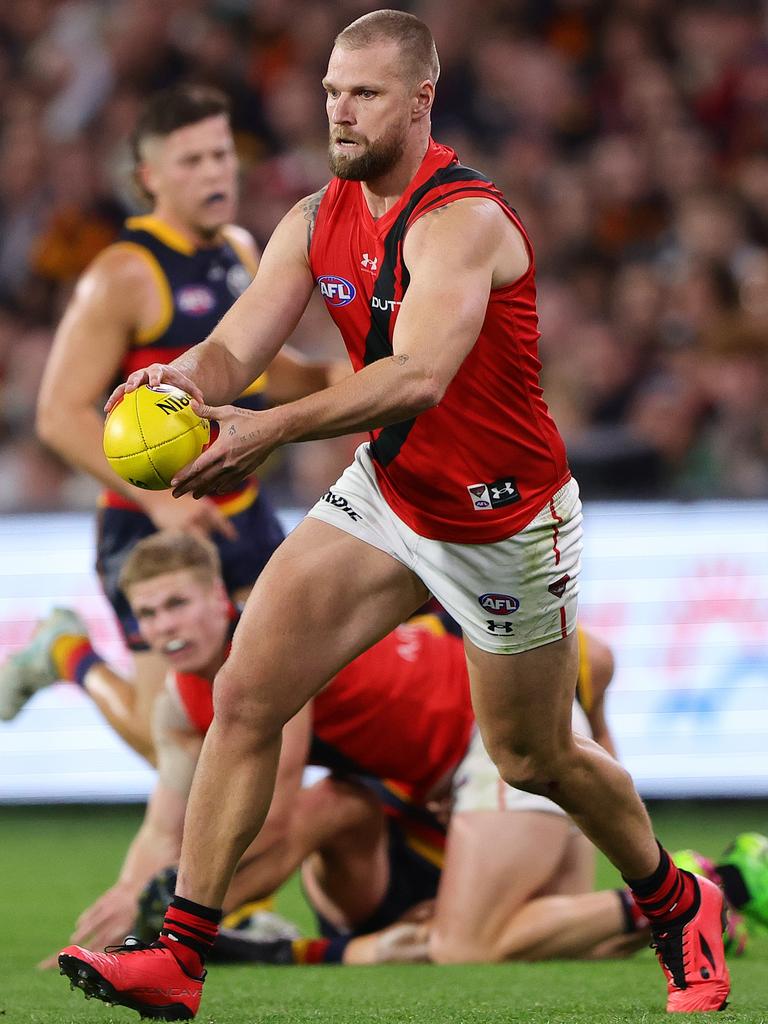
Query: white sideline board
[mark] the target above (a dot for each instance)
(679, 591)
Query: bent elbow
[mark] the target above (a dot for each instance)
(430, 393)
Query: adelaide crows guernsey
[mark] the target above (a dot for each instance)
(479, 466)
(400, 711)
(196, 288)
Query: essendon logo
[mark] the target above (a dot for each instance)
(558, 587)
(336, 291)
(499, 604)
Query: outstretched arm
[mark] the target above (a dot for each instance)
(158, 841)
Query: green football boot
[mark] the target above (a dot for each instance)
(743, 868)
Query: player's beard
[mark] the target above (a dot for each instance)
(377, 160)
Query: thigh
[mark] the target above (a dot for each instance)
(523, 703)
(496, 861)
(576, 871)
(324, 597)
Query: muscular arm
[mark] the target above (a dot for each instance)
(87, 350)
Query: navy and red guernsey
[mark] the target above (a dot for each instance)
(479, 466)
(196, 287)
(399, 711)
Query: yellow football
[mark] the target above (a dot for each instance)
(151, 434)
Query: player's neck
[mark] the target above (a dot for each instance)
(381, 194)
(192, 235)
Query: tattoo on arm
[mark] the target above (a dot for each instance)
(401, 360)
(309, 207)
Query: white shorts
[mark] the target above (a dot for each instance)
(478, 786)
(508, 597)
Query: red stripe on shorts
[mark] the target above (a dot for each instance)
(563, 624)
(555, 530)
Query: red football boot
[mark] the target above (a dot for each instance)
(148, 979)
(692, 957)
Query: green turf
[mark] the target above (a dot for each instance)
(53, 861)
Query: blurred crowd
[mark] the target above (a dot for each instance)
(630, 135)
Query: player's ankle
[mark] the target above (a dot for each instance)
(668, 894)
(189, 930)
(73, 657)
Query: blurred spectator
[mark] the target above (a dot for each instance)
(631, 136)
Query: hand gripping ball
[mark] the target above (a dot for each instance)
(151, 434)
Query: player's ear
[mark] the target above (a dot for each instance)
(422, 101)
(142, 179)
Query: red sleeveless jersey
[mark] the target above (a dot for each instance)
(479, 466)
(399, 711)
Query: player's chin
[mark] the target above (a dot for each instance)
(214, 215)
(183, 659)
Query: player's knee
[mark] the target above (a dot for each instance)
(534, 770)
(238, 705)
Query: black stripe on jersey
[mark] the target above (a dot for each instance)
(387, 445)
(478, 191)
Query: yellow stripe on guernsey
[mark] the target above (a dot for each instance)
(163, 232)
(425, 850)
(236, 917)
(584, 687)
(160, 326)
(428, 621)
(259, 385)
(239, 502)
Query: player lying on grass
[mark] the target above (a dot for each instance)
(373, 854)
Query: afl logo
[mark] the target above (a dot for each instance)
(336, 291)
(499, 604)
(195, 300)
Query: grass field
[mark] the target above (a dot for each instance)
(53, 861)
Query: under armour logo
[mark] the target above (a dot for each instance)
(506, 490)
(499, 627)
(369, 263)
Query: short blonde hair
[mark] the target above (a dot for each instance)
(413, 37)
(170, 551)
